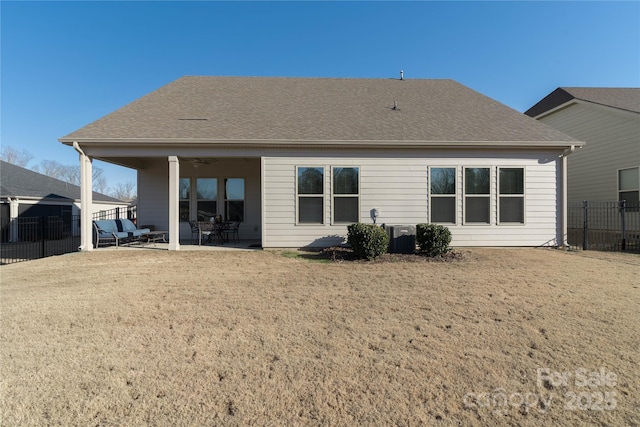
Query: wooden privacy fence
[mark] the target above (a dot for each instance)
(605, 226)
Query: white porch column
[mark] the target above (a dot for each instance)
(13, 218)
(174, 205)
(86, 200)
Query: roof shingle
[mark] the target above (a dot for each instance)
(315, 109)
(617, 97)
(16, 181)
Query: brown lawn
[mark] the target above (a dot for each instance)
(146, 337)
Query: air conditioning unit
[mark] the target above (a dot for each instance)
(402, 238)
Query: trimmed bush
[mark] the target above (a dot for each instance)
(367, 240)
(433, 240)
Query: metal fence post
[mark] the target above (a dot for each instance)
(623, 204)
(585, 226)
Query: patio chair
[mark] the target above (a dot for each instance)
(195, 231)
(231, 229)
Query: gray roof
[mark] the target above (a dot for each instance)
(622, 98)
(16, 181)
(216, 109)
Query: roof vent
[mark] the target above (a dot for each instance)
(395, 105)
(401, 74)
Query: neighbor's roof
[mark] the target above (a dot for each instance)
(213, 109)
(622, 98)
(16, 181)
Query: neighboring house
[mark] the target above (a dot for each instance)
(25, 193)
(608, 120)
(298, 159)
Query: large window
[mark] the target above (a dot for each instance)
(346, 194)
(207, 192)
(234, 199)
(511, 195)
(442, 200)
(185, 195)
(310, 195)
(629, 187)
(477, 195)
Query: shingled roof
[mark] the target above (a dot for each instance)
(16, 181)
(617, 97)
(215, 109)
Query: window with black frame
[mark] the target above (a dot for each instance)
(511, 195)
(207, 194)
(442, 202)
(184, 198)
(234, 199)
(477, 195)
(346, 194)
(310, 195)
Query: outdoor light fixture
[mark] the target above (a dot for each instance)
(374, 214)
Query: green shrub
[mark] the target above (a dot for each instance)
(367, 240)
(433, 240)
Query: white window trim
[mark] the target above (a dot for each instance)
(524, 197)
(491, 196)
(323, 195)
(332, 195)
(454, 195)
(618, 181)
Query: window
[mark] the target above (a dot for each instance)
(629, 187)
(234, 199)
(511, 195)
(207, 193)
(477, 200)
(310, 189)
(185, 195)
(442, 195)
(346, 194)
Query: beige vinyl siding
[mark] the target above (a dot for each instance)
(153, 192)
(395, 183)
(612, 142)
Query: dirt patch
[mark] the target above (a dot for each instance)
(493, 337)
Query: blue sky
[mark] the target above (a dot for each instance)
(66, 64)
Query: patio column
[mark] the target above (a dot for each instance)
(86, 200)
(174, 205)
(14, 212)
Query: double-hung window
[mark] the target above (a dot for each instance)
(511, 195)
(184, 198)
(207, 194)
(234, 199)
(310, 195)
(477, 195)
(346, 194)
(629, 187)
(442, 200)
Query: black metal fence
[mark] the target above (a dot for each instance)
(38, 237)
(604, 226)
(129, 212)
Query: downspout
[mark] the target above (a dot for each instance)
(565, 205)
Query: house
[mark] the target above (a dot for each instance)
(608, 119)
(298, 159)
(25, 193)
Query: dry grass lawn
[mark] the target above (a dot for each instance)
(147, 337)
